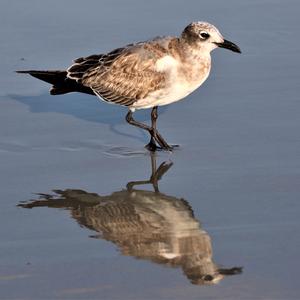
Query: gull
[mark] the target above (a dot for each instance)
(144, 75)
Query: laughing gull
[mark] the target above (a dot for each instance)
(144, 75)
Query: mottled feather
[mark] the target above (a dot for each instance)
(124, 75)
(81, 65)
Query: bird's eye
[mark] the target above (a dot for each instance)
(204, 35)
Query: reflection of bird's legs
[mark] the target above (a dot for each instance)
(153, 178)
(156, 174)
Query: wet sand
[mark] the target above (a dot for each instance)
(228, 197)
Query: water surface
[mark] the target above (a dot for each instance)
(227, 199)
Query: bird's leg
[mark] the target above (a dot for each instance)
(153, 132)
(156, 135)
(152, 145)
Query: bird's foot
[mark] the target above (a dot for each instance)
(153, 147)
(170, 147)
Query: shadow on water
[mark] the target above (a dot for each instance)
(86, 108)
(144, 224)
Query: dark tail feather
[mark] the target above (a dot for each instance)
(53, 77)
(61, 83)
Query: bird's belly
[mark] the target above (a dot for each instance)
(175, 92)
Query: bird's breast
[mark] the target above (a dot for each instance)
(182, 79)
(194, 72)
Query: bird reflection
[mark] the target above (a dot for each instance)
(144, 224)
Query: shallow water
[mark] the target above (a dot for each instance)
(227, 198)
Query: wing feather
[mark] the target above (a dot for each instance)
(123, 75)
(81, 65)
(126, 74)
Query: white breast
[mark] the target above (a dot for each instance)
(167, 63)
(179, 85)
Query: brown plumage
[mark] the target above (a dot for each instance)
(124, 75)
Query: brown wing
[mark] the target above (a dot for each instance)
(127, 74)
(83, 64)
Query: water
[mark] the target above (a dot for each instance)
(228, 198)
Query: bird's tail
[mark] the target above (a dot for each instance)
(52, 77)
(61, 84)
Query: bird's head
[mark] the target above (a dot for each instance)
(206, 36)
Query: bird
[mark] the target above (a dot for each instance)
(144, 75)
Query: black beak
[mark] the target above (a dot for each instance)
(229, 45)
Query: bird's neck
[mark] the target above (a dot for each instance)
(196, 61)
(194, 52)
